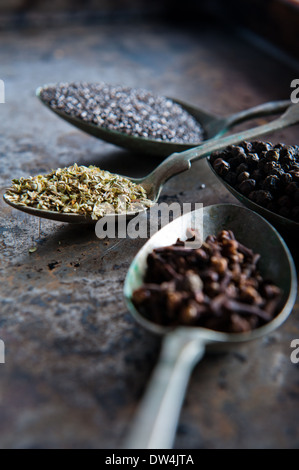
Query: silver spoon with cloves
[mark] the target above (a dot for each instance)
(154, 426)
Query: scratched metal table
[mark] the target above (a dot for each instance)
(76, 362)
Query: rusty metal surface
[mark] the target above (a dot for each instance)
(76, 362)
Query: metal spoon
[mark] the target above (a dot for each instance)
(212, 125)
(155, 424)
(175, 164)
(287, 226)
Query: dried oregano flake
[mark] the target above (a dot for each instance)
(82, 190)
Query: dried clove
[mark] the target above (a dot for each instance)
(217, 286)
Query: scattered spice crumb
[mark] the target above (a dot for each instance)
(52, 265)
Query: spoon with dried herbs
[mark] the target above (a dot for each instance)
(78, 195)
(138, 120)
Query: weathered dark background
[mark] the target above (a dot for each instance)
(76, 362)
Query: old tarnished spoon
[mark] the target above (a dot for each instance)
(176, 163)
(182, 347)
(213, 126)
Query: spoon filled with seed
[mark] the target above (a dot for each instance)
(138, 120)
(82, 194)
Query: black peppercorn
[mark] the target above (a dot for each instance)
(262, 197)
(234, 162)
(261, 163)
(231, 178)
(241, 168)
(295, 175)
(287, 155)
(238, 151)
(286, 151)
(259, 146)
(252, 160)
(291, 188)
(256, 175)
(213, 157)
(272, 155)
(243, 176)
(247, 186)
(286, 178)
(284, 201)
(271, 183)
(269, 167)
(247, 146)
(278, 172)
(221, 166)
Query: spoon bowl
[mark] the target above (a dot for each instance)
(176, 163)
(213, 126)
(182, 347)
(283, 224)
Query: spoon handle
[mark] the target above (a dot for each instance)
(290, 117)
(265, 109)
(156, 421)
(179, 162)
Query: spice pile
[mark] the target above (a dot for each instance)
(136, 112)
(217, 286)
(80, 190)
(267, 174)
